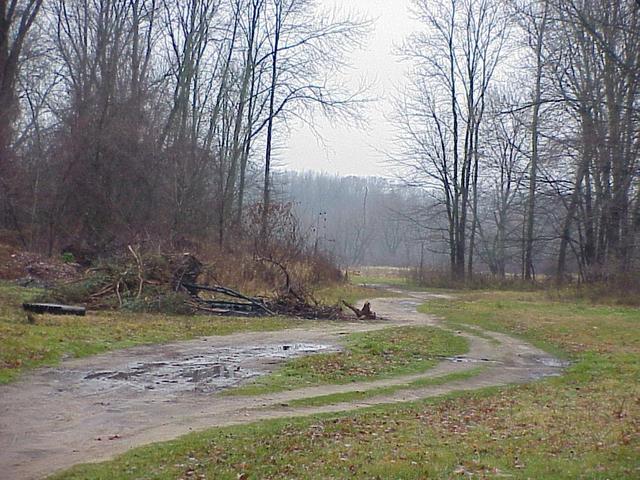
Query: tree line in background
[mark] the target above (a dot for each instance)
(363, 221)
(358, 220)
(128, 120)
(522, 121)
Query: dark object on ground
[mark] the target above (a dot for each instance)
(364, 312)
(54, 309)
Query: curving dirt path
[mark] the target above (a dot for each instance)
(93, 409)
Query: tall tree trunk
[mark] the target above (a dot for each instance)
(459, 222)
(15, 23)
(565, 237)
(533, 175)
(7, 101)
(266, 193)
(238, 147)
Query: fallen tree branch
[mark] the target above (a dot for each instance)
(365, 311)
(118, 293)
(219, 311)
(104, 291)
(287, 277)
(192, 288)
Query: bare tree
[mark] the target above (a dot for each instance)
(504, 158)
(534, 17)
(16, 19)
(456, 58)
(150, 115)
(306, 47)
(599, 79)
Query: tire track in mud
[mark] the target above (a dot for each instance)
(93, 409)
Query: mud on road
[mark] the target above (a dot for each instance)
(93, 409)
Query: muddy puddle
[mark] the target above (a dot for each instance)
(554, 362)
(463, 359)
(205, 372)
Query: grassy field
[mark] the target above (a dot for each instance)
(393, 277)
(368, 356)
(584, 425)
(566, 327)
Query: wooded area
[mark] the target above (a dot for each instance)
(522, 121)
(151, 120)
(126, 122)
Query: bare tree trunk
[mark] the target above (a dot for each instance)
(474, 212)
(529, 273)
(266, 194)
(15, 24)
(566, 228)
(477, 120)
(460, 222)
(239, 149)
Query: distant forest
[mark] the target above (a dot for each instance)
(377, 221)
(358, 221)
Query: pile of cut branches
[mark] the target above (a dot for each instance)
(232, 303)
(171, 283)
(289, 304)
(133, 281)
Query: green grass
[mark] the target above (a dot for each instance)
(380, 391)
(52, 338)
(369, 280)
(561, 327)
(378, 280)
(368, 356)
(583, 425)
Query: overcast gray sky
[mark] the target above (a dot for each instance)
(350, 150)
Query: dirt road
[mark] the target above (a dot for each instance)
(93, 409)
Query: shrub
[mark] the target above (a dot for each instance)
(68, 257)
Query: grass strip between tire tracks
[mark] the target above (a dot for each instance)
(368, 356)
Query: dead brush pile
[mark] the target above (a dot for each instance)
(182, 284)
(135, 282)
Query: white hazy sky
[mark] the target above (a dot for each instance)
(344, 149)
